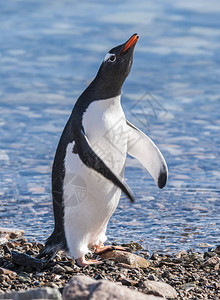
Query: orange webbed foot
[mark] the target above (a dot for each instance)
(101, 248)
(82, 262)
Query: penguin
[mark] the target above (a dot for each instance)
(88, 168)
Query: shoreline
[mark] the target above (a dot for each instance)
(193, 275)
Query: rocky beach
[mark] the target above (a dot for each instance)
(131, 274)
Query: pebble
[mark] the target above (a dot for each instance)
(129, 282)
(188, 286)
(7, 272)
(10, 233)
(57, 269)
(217, 250)
(68, 270)
(212, 261)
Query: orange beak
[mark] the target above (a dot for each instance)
(133, 40)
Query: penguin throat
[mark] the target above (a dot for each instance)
(105, 89)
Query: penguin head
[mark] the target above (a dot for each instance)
(116, 66)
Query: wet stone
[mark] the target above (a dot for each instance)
(134, 246)
(154, 256)
(23, 259)
(217, 250)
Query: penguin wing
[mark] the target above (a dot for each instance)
(143, 149)
(92, 160)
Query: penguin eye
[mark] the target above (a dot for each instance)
(112, 58)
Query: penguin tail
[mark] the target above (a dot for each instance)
(53, 244)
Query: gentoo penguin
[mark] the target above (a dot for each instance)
(88, 169)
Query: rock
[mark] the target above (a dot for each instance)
(212, 261)
(52, 285)
(6, 249)
(204, 245)
(57, 269)
(3, 239)
(124, 266)
(165, 263)
(129, 282)
(28, 269)
(85, 288)
(209, 254)
(217, 250)
(127, 258)
(10, 245)
(188, 286)
(7, 272)
(152, 277)
(41, 293)
(155, 256)
(133, 246)
(160, 288)
(23, 259)
(68, 270)
(10, 233)
(181, 254)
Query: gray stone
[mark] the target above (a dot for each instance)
(160, 288)
(41, 293)
(85, 288)
(188, 286)
(57, 269)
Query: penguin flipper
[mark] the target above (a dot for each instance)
(146, 152)
(92, 160)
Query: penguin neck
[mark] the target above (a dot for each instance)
(102, 89)
(105, 88)
(96, 91)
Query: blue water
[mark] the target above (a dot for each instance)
(50, 51)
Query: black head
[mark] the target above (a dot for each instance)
(114, 70)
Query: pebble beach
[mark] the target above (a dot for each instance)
(190, 274)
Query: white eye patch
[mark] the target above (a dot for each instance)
(110, 55)
(107, 56)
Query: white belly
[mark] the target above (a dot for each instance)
(89, 198)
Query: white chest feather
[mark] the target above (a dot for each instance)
(89, 198)
(105, 126)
